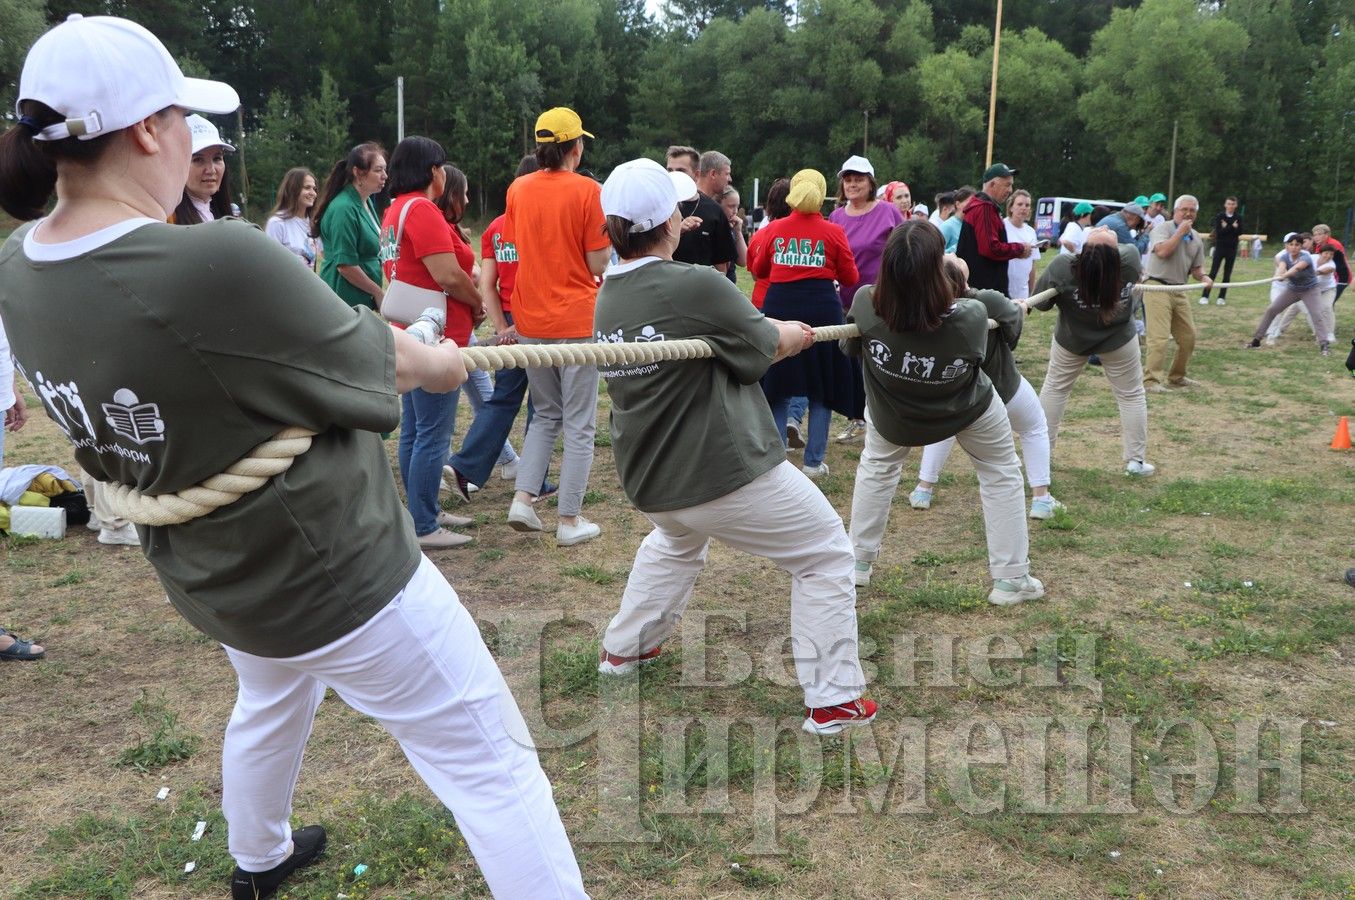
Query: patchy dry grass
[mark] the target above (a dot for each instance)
(1210, 593)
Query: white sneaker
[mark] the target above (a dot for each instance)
(94, 524)
(508, 471)
(1044, 507)
(442, 539)
(815, 471)
(1007, 591)
(582, 530)
(861, 574)
(521, 517)
(1220, 302)
(120, 537)
(1204, 301)
(472, 488)
(856, 429)
(450, 520)
(920, 498)
(1139, 468)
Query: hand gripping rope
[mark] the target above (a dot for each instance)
(275, 456)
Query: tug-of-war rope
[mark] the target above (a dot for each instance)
(275, 455)
(1145, 288)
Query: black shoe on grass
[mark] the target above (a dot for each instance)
(307, 843)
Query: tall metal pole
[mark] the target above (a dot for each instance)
(1171, 172)
(992, 93)
(399, 108)
(865, 134)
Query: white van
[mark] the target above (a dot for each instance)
(1051, 211)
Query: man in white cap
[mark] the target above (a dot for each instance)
(740, 489)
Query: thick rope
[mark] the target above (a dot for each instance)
(275, 456)
(1145, 288)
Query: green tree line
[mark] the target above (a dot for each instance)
(1260, 92)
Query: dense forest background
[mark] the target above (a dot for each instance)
(1262, 91)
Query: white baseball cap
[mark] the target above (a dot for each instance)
(104, 74)
(684, 185)
(857, 164)
(921, 209)
(641, 192)
(205, 134)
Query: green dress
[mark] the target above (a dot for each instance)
(351, 235)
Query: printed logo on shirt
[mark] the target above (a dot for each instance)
(647, 334)
(880, 352)
(504, 251)
(130, 418)
(615, 337)
(799, 252)
(65, 407)
(389, 251)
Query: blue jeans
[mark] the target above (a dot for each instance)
(798, 407)
(483, 447)
(479, 388)
(816, 440)
(426, 424)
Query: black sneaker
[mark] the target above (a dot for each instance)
(307, 843)
(1093, 360)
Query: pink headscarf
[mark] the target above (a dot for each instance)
(892, 187)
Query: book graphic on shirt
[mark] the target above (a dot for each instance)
(138, 422)
(647, 335)
(799, 252)
(954, 370)
(65, 406)
(880, 352)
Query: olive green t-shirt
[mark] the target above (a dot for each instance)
(685, 432)
(922, 387)
(1002, 340)
(1080, 329)
(165, 355)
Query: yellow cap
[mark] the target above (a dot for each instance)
(558, 125)
(807, 190)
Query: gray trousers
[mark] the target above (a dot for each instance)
(1320, 314)
(565, 398)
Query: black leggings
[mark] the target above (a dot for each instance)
(1227, 270)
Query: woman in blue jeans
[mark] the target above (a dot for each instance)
(420, 248)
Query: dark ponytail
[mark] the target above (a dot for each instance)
(360, 157)
(1098, 279)
(28, 167)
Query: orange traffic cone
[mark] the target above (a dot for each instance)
(1342, 439)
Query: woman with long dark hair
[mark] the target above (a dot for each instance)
(1096, 307)
(290, 221)
(207, 192)
(348, 227)
(313, 581)
(923, 350)
(420, 248)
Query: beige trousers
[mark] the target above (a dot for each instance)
(1167, 315)
(1125, 374)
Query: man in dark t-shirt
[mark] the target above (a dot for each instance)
(1227, 229)
(706, 239)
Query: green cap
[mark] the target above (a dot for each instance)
(1159, 197)
(1142, 200)
(997, 170)
(1082, 209)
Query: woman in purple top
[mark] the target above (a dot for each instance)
(868, 223)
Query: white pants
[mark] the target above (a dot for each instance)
(781, 516)
(1286, 318)
(988, 441)
(419, 668)
(1124, 371)
(98, 503)
(1027, 420)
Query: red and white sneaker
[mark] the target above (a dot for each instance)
(832, 719)
(611, 664)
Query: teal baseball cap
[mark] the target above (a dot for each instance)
(1082, 209)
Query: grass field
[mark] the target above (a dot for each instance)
(1183, 613)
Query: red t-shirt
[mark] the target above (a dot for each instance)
(426, 233)
(553, 218)
(505, 256)
(756, 248)
(803, 246)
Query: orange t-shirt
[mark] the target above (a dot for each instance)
(553, 218)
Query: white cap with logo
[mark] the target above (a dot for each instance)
(858, 164)
(104, 74)
(641, 192)
(205, 135)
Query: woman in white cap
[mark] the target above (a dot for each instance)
(207, 192)
(868, 223)
(740, 489)
(172, 374)
(923, 349)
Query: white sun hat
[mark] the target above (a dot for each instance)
(104, 73)
(205, 135)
